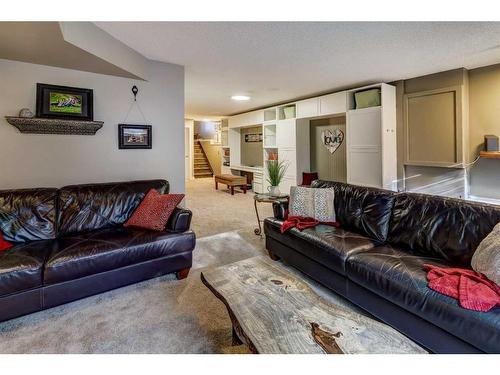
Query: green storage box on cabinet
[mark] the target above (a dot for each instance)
(367, 98)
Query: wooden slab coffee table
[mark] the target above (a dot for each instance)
(274, 311)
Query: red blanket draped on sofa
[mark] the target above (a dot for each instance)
(301, 223)
(473, 290)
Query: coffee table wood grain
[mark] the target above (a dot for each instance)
(274, 311)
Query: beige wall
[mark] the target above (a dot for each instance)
(428, 179)
(251, 152)
(484, 118)
(35, 160)
(483, 103)
(484, 106)
(329, 166)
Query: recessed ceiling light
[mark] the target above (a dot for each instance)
(240, 98)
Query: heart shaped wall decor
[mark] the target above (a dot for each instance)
(332, 140)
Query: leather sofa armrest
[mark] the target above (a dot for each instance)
(280, 209)
(180, 220)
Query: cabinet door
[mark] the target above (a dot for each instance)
(285, 185)
(285, 134)
(333, 103)
(364, 167)
(307, 108)
(289, 157)
(364, 147)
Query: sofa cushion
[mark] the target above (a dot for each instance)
(98, 206)
(399, 277)
(440, 227)
(84, 254)
(325, 244)
(28, 214)
(21, 266)
(361, 209)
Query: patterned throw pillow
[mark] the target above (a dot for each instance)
(154, 210)
(312, 202)
(486, 258)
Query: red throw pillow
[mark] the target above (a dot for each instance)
(4, 245)
(154, 210)
(308, 178)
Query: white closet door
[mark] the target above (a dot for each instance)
(364, 147)
(285, 134)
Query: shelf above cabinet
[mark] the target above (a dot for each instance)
(54, 126)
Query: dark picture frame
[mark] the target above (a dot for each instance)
(132, 136)
(64, 102)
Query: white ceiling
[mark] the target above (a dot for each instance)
(279, 61)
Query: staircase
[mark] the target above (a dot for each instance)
(201, 166)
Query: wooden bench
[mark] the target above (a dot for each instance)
(231, 181)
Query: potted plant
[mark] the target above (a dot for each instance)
(275, 172)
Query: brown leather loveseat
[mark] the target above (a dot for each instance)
(69, 243)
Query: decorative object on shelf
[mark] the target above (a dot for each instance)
(26, 113)
(275, 171)
(253, 137)
(367, 98)
(64, 102)
(289, 111)
(54, 126)
(490, 143)
(272, 155)
(332, 140)
(134, 136)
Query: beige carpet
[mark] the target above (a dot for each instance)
(217, 211)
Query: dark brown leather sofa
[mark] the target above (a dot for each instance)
(70, 244)
(375, 260)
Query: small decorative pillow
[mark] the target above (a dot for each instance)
(312, 202)
(154, 210)
(486, 258)
(308, 178)
(4, 245)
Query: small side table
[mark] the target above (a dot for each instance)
(265, 198)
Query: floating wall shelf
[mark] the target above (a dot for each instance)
(490, 154)
(54, 126)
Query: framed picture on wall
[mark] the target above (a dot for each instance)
(64, 102)
(257, 137)
(134, 136)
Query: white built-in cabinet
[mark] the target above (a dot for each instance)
(371, 141)
(332, 104)
(370, 137)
